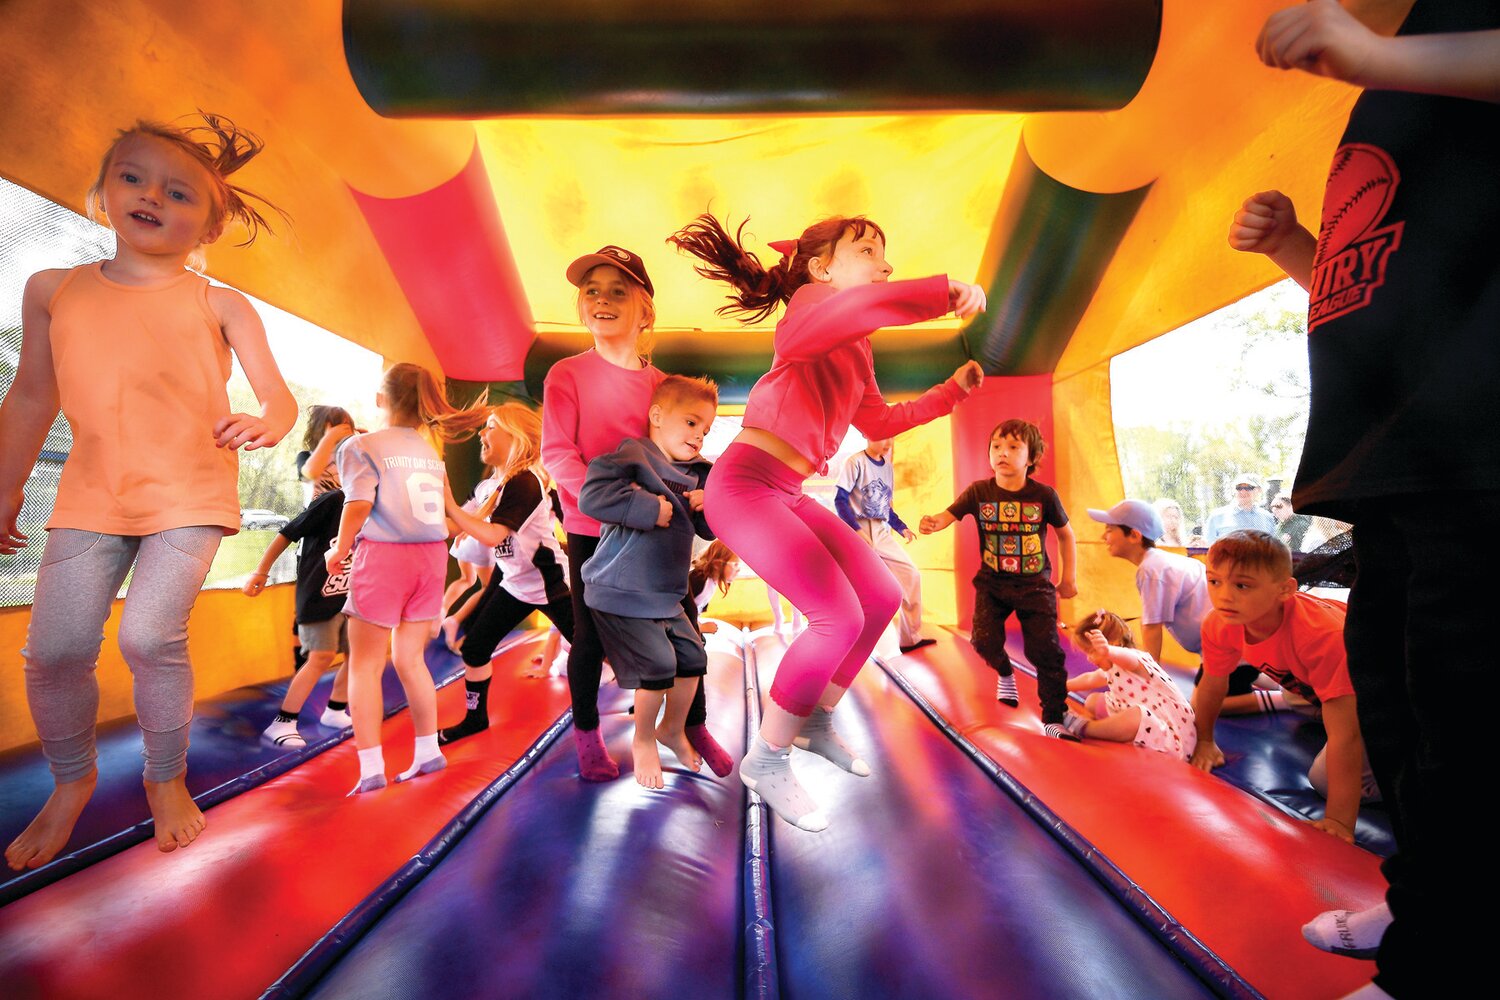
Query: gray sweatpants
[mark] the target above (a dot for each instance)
(80, 575)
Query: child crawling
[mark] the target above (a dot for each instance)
(648, 494)
(1142, 705)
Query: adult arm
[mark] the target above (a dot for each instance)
(1151, 639)
(30, 404)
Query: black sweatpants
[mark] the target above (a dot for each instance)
(1035, 606)
(586, 660)
(498, 613)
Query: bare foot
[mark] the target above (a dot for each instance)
(647, 765)
(449, 627)
(178, 818)
(48, 833)
(678, 743)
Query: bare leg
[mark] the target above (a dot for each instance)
(367, 650)
(406, 653)
(1118, 728)
(306, 679)
(177, 818)
(672, 732)
(643, 745)
(48, 833)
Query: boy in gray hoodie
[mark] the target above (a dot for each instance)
(648, 494)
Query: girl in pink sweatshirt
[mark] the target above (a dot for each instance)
(590, 403)
(833, 280)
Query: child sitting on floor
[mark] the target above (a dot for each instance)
(1260, 617)
(1012, 511)
(1142, 705)
(648, 494)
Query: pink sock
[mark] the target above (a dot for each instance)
(594, 761)
(708, 748)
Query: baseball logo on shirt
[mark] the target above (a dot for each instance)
(1353, 249)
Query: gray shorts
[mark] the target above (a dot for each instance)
(651, 653)
(331, 636)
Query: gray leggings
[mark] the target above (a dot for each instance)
(80, 575)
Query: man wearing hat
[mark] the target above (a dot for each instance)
(1173, 593)
(1242, 513)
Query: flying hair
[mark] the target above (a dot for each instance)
(758, 290)
(222, 147)
(412, 393)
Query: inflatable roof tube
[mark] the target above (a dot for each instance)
(907, 362)
(1047, 253)
(448, 251)
(486, 58)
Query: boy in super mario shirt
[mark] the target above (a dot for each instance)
(1297, 640)
(1012, 512)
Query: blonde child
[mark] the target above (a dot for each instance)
(648, 494)
(613, 382)
(529, 572)
(1142, 705)
(396, 492)
(475, 562)
(713, 571)
(833, 281)
(136, 350)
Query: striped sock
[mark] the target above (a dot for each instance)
(1005, 691)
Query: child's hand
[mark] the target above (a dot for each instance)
(1263, 223)
(965, 300)
(909, 535)
(254, 585)
(1098, 647)
(241, 430)
(1207, 756)
(929, 524)
(11, 540)
(338, 432)
(1334, 827)
(695, 499)
(1321, 38)
(969, 376)
(1067, 589)
(335, 557)
(665, 517)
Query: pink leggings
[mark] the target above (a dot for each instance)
(756, 506)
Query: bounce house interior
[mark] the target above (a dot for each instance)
(440, 162)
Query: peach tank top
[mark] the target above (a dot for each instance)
(141, 373)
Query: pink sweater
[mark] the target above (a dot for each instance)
(823, 376)
(617, 400)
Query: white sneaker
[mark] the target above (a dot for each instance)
(284, 734)
(335, 720)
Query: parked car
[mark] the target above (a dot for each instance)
(261, 520)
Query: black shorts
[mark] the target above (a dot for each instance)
(651, 653)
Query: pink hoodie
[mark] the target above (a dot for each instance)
(823, 376)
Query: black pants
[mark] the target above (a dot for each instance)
(1420, 639)
(586, 660)
(1035, 607)
(1241, 681)
(498, 613)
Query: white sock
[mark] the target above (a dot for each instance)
(426, 749)
(1355, 933)
(371, 763)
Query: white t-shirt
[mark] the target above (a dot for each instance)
(1175, 594)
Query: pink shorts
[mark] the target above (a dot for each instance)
(395, 582)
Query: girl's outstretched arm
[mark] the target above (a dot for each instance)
(820, 319)
(246, 335)
(30, 404)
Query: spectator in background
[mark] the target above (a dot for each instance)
(1293, 528)
(1172, 523)
(1241, 513)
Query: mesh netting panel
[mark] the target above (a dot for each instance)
(1329, 565)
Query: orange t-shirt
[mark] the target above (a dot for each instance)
(1305, 656)
(141, 373)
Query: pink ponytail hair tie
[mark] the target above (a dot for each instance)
(787, 248)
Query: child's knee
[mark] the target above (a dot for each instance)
(1097, 705)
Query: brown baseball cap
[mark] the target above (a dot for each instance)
(614, 256)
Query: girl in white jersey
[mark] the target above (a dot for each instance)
(395, 494)
(531, 572)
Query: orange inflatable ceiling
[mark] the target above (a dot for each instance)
(444, 241)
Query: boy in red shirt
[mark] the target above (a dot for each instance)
(1297, 640)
